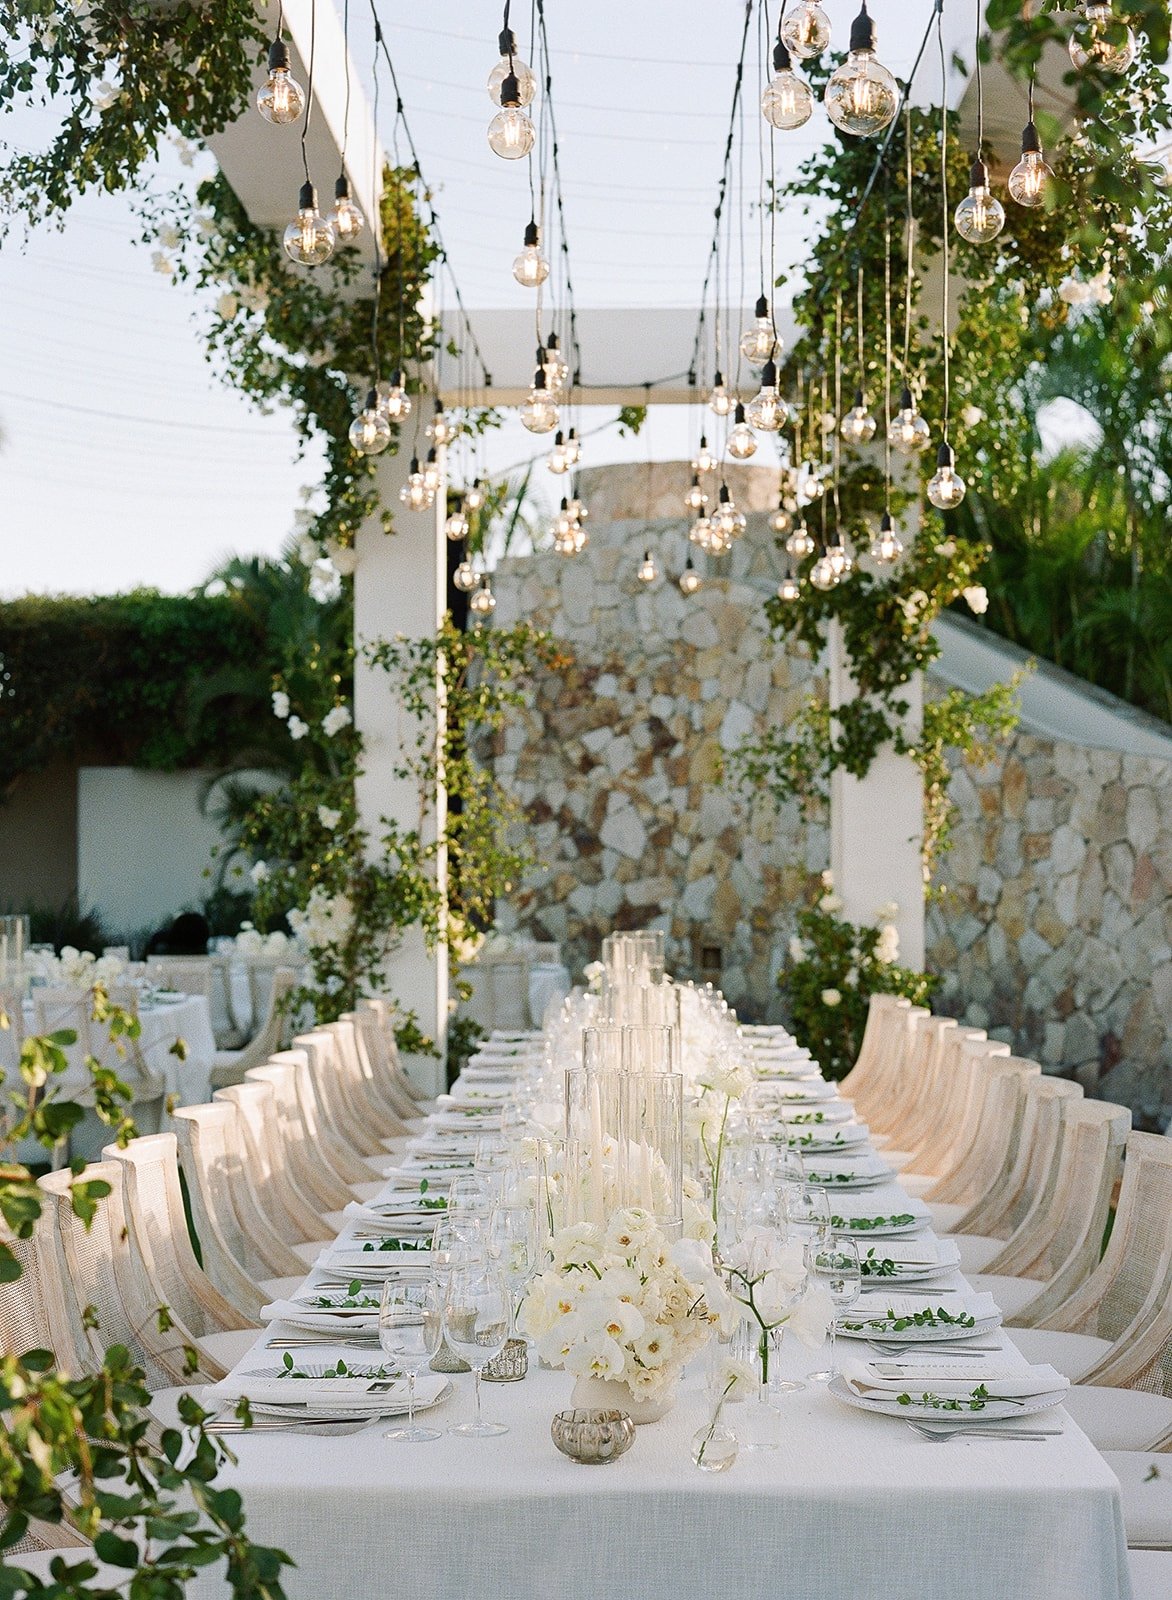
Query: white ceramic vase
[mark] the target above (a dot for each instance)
(608, 1394)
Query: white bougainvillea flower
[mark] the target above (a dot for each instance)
(297, 728)
(337, 718)
(831, 998)
(228, 305)
(258, 872)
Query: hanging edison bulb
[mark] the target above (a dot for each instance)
(786, 102)
(483, 601)
(441, 429)
(510, 133)
(908, 433)
(700, 533)
(790, 588)
(510, 62)
(862, 97)
(767, 412)
(887, 546)
(557, 462)
(742, 441)
(858, 426)
(393, 400)
(456, 527)
(530, 268)
(822, 573)
(415, 494)
(800, 543)
(780, 520)
(280, 98)
(464, 577)
(805, 32)
(557, 368)
(1102, 40)
(705, 461)
(309, 239)
(573, 448)
(947, 489)
(759, 340)
(840, 558)
(474, 496)
(648, 571)
(346, 219)
(370, 432)
(539, 413)
(431, 471)
(690, 580)
(1030, 178)
(813, 484)
(727, 520)
(980, 216)
(578, 511)
(720, 402)
(694, 497)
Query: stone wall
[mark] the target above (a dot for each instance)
(1055, 926)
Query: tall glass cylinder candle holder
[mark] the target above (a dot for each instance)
(650, 1049)
(651, 1146)
(602, 1049)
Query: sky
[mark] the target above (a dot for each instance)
(124, 460)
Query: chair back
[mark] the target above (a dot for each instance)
(201, 1134)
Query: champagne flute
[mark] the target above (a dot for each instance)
(835, 1264)
(410, 1321)
(476, 1324)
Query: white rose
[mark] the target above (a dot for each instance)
(328, 817)
(325, 582)
(828, 879)
(337, 718)
(976, 597)
(280, 704)
(259, 872)
(297, 728)
(887, 949)
(831, 998)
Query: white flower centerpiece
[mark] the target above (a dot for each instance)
(768, 1279)
(623, 1310)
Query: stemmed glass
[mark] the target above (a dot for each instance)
(410, 1322)
(809, 1212)
(476, 1324)
(512, 1247)
(835, 1264)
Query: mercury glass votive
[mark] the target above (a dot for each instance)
(593, 1437)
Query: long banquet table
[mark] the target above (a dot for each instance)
(853, 1506)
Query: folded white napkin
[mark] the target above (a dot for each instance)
(915, 1252)
(359, 1396)
(877, 1304)
(338, 1317)
(841, 1169)
(952, 1379)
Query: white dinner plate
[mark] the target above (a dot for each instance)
(941, 1333)
(849, 1216)
(991, 1411)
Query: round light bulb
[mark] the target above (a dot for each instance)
(483, 602)
(780, 521)
(887, 546)
(573, 448)
(309, 239)
(840, 563)
(370, 432)
(530, 268)
(431, 472)
(694, 497)
(700, 533)
(510, 62)
(1029, 179)
(280, 98)
(690, 579)
(720, 402)
(858, 426)
(648, 571)
(557, 462)
(415, 493)
(441, 429)
(705, 461)
(557, 368)
(862, 97)
(456, 527)
(786, 102)
(474, 495)
(393, 400)
(800, 543)
(581, 539)
(742, 441)
(789, 589)
(728, 523)
(813, 485)
(1102, 40)
(539, 413)
(805, 32)
(980, 216)
(767, 412)
(577, 510)
(464, 577)
(345, 219)
(947, 488)
(759, 340)
(909, 433)
(822, 574)
(510, 133)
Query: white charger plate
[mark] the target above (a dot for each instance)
(992, 1411)
(944, 1332)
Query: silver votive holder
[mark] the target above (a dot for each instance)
(510, 1366)
(593, 1437)
(446, 1359)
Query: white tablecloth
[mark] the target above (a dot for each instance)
(852, 1507)
(188, 1019)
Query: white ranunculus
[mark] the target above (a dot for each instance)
(831, 998)
(328, 817)
(976, 597)
(830, 903)
(280, 704)
(337, 718)
(259, 871)
(828, 879)
(297, 728)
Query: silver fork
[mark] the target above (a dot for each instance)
(943, 1435)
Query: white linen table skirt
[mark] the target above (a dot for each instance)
(188, 1019)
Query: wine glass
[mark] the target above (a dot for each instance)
(512, 1246)
(809, 1212)
(835, 1264)
(410, 1323)
(476, 1324)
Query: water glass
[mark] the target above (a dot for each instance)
(410, 1325)
(835, 1265)
(476, 1325)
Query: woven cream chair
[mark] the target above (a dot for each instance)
(869, 1081)
(105, 1272)
(414, 1102)
(335, 1110)
(230, 1066)
(1061, 1248)
(927, 1037)
(212, 1169)
(292, 1215)
(359, 1078)
(209, 976)
(997, 1083)
(36, 1312)
(310, 1061)
(984, 1230)
(383, 1072)
(311, 1172)
(937, 1152)
(154, 1204)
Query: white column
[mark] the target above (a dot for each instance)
(400, 588)
(877, 822)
